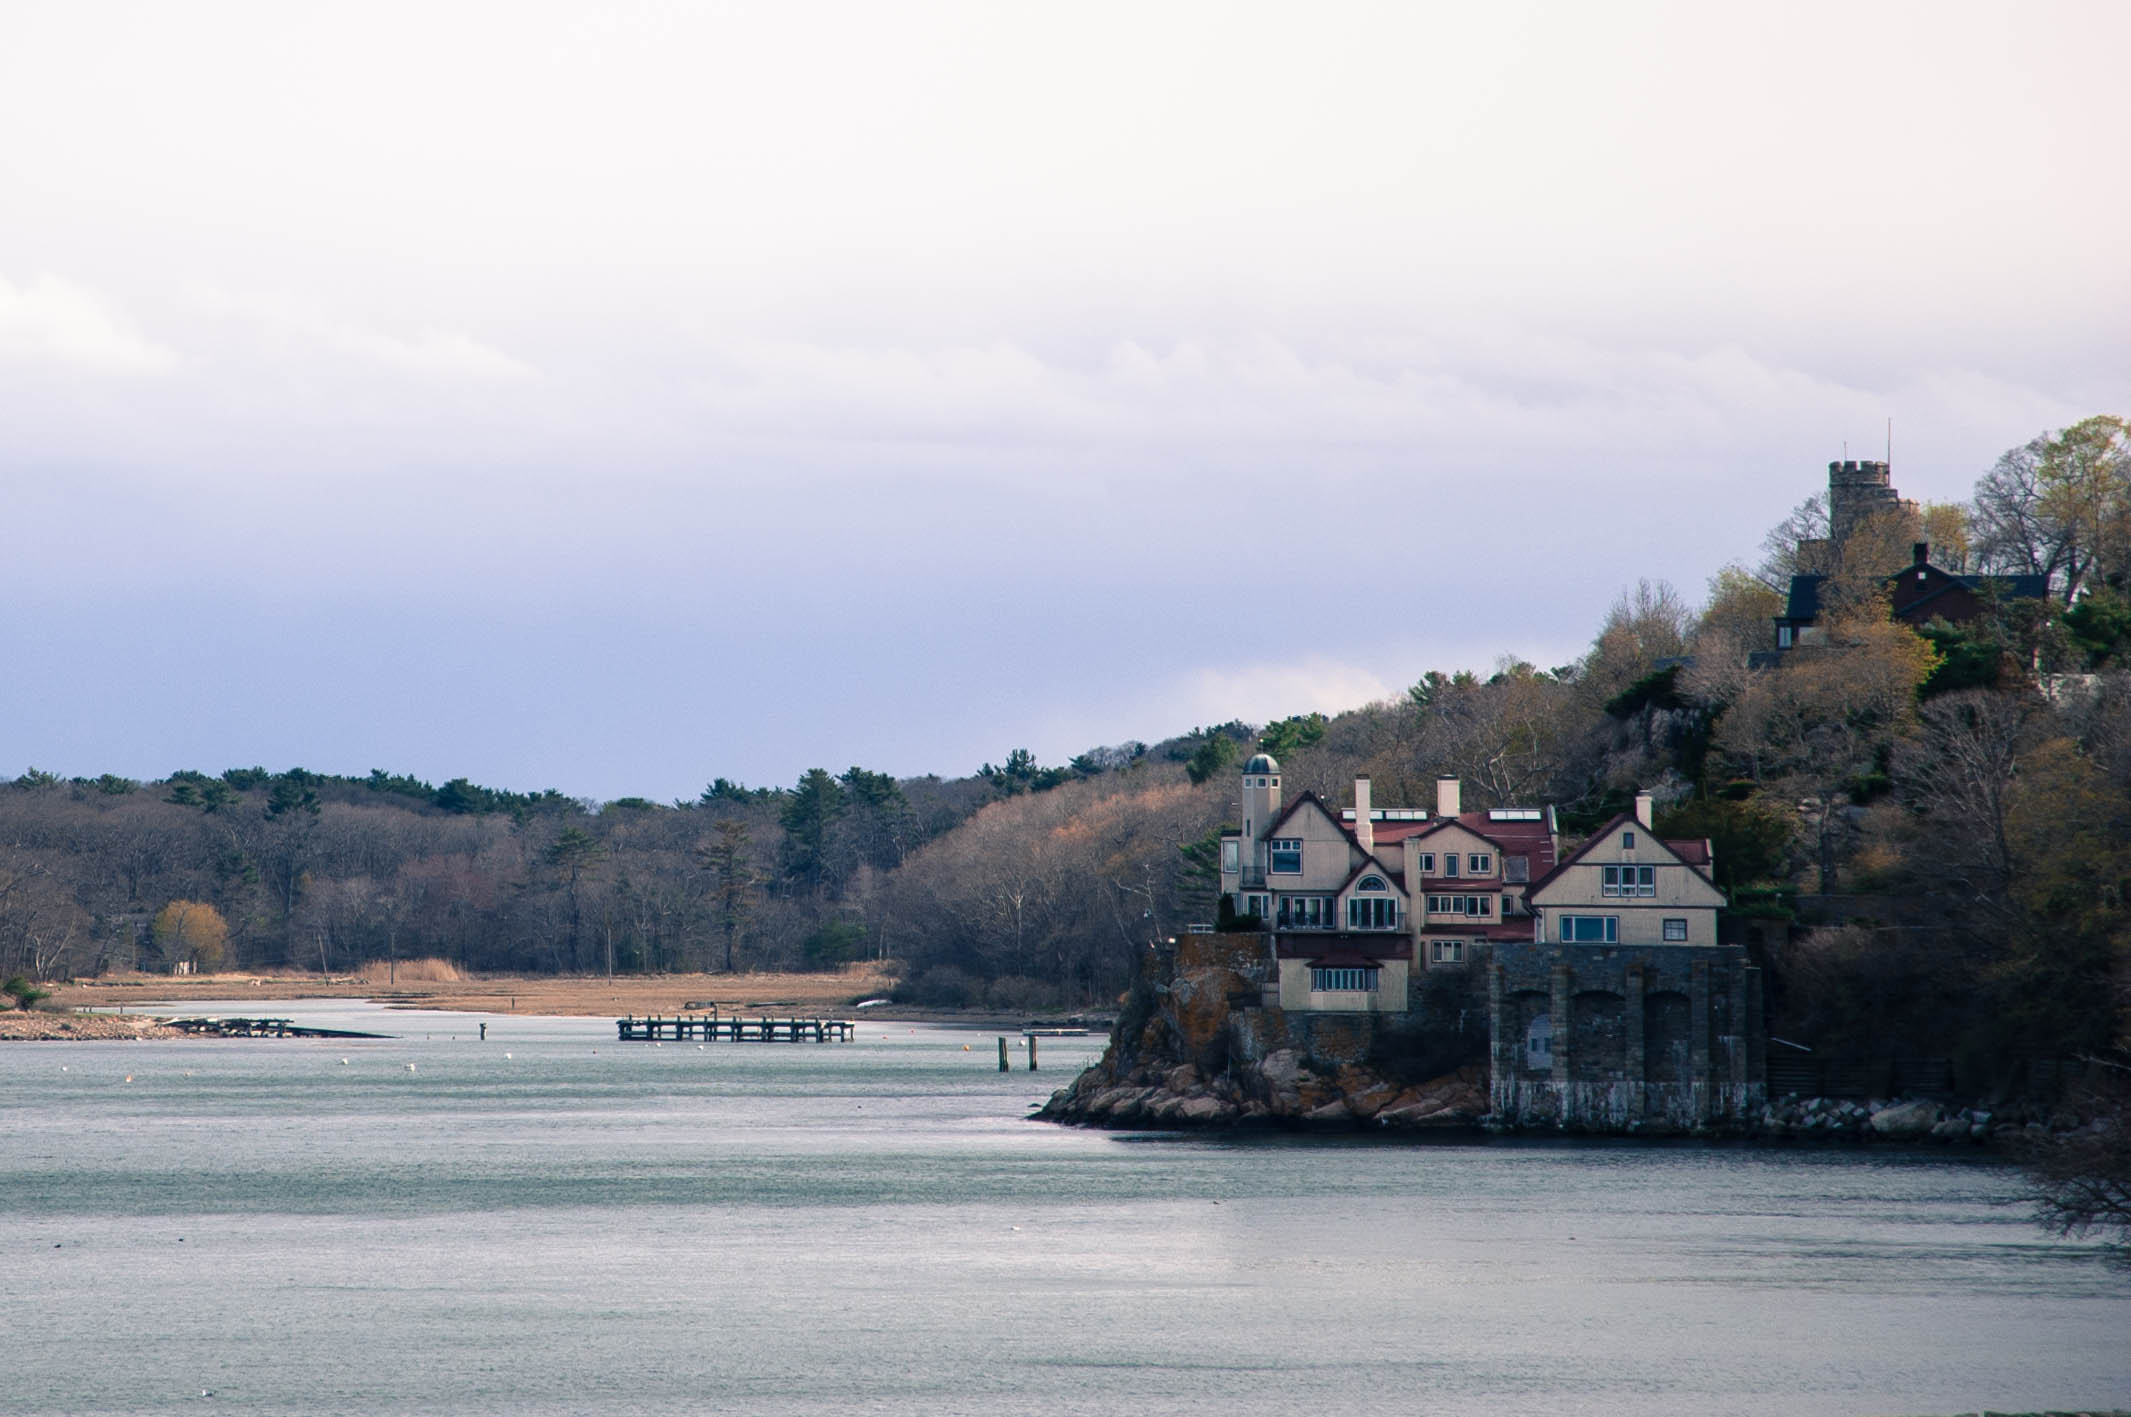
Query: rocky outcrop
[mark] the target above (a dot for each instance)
(1196, 1046)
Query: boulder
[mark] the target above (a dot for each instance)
(1907, 1119)
(1182, 1078)
(1952, 1129)
(1282, 1069)
(1333, 1111)
(1372, 1100)
(1201, 1110)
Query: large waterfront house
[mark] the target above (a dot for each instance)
(1358, 899)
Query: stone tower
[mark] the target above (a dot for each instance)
(1856, 491)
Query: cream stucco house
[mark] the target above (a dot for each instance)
(1625, 886)
(1359, 899)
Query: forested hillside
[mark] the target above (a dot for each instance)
(1969, 783)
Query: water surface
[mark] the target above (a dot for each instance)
(554, 1222)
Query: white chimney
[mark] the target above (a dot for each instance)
(1642, 808)
(1446, 797)
(1364, 829)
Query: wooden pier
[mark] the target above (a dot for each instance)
(732, 1028)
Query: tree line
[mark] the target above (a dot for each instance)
(1971, 779)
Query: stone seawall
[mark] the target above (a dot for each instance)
(1672, 1047)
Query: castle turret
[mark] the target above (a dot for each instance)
(1857, 490)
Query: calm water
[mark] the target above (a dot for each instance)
(552, 1222)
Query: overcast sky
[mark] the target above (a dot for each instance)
(609, 397)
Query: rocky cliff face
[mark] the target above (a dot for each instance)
(1196, 1046)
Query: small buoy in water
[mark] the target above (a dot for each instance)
(506, 1056)
(129, 1077)
(344, 1062)
(410, 1067)
(699, 1047)
(965, 1047)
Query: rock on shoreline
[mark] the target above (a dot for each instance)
(1284, 1088)
(40, 1027)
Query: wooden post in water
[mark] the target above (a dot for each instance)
(1032, 1052)
(1002, 1054)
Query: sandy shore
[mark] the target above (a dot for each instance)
(595, 996)
(39, 1027)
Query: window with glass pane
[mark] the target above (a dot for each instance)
(1343, 980)
(1284, 854)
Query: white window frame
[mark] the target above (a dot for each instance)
(1276, 847)
(1627, 882)
(1565, 935)
(1448, 951)
(1426, 862)
(1480, 863)
(1675, 929)
(1343, 980)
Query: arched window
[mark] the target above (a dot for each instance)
(1371, 883)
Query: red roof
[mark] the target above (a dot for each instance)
(1334, 949)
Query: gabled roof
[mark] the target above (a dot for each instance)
(1684, 852)
(1307, 799)
(1369, 860)
(1804, 602)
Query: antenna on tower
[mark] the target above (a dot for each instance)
(1890, 441)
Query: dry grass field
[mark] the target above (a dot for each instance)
(436, 984)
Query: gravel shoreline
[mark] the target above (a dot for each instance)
(38, 1026)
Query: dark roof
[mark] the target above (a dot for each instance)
(1686, 851)
(1262, 762)
(1335, 949)
(1805, 598)
(1804, 603)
